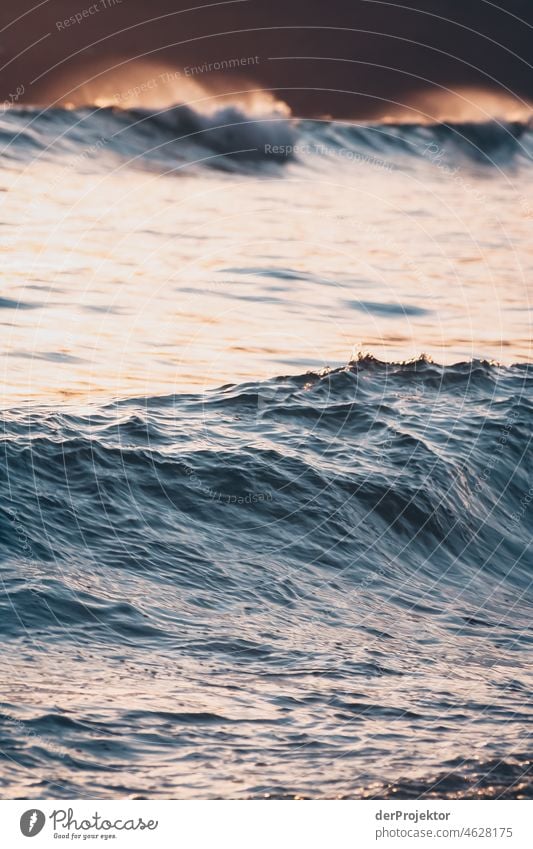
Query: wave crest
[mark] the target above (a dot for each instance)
(232, 136)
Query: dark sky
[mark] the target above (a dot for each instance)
(359, 56)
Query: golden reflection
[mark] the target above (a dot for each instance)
(120, 282)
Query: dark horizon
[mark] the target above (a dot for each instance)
(363, 59)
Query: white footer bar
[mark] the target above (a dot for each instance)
(268, 824)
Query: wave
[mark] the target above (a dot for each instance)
(407, 468)
(231, 138)
(307, 559)
(338, 562)
(490, 143)
(172, 137)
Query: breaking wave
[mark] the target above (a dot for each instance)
(230, 138)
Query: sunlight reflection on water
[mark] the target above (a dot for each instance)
(122, 281)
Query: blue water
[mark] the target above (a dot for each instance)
(317, 585)
(313, 584)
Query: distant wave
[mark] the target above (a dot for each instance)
(173, 137)
(232, 139)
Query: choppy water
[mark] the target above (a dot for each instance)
(219, 582)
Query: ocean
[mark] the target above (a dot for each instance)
(267, 403)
